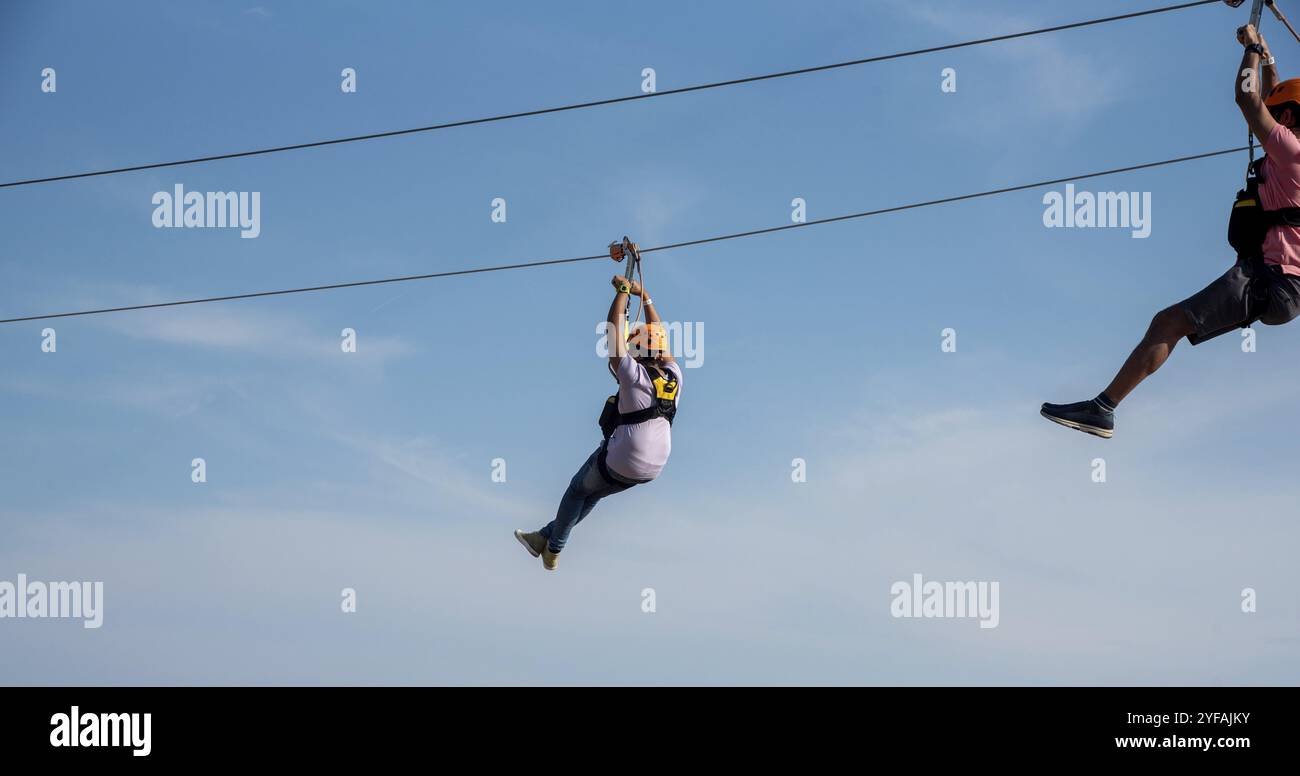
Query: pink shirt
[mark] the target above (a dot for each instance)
(639, 451)
(1281, 188)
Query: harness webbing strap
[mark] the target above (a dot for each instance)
(1287, 216)
(655, 410)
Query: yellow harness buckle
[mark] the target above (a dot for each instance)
(665, 388)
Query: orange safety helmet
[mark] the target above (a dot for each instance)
(647, 339)
(1283, 93)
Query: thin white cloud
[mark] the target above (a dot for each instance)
(253, 331)
(432, 475)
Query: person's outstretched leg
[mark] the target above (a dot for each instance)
(1168, 327)
(573, 505)
(1097, 416)
(606, 489)
(585, 490)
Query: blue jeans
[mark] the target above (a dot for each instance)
(586, 488)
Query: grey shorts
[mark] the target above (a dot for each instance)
(1249, 292)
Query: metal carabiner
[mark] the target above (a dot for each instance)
(633, 256)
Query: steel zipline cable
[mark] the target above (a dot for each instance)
(612, 100)
(669, 247)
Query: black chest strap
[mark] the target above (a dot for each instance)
(1287, 216)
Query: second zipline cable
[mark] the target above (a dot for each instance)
(671, 246)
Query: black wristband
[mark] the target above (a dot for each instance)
(1255, 47)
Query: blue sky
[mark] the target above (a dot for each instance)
(372, 470)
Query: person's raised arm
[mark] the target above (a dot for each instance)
(652, 316)
(1267, 69)
(617, 312)
(1248, 87)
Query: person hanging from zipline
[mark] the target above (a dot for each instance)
(636, 421)
(1264, 284)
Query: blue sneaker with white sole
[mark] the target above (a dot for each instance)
(1086, 416)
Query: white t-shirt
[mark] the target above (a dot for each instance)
(638, 451)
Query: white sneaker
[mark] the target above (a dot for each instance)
(533, 542)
